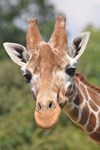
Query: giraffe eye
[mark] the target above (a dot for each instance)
(28, 76)
(70, 71)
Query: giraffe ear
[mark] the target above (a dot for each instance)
(78, 45)
(16, 52)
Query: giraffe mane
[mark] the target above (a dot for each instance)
(83, 80)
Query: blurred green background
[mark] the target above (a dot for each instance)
(18, 130)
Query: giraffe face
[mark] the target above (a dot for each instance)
(49, 69)
(50, 76)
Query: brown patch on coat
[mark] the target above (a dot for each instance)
(79, 98)
(74, 113)
(96, 135)
(95, 97)
(92, 123)
(93, 106)
(82, 88)
(78, 101)
(85, 115)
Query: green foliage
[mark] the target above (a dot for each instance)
(90, 60)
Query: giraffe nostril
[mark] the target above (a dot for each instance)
(51, 105)
(38, 107)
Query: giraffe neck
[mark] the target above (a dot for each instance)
(85, 108)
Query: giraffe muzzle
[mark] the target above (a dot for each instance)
(46, 116)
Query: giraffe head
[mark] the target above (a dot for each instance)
(49, 68)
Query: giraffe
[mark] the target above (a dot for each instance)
(85, 108)
(50, 70)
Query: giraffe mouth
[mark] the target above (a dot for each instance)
(63, 103)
